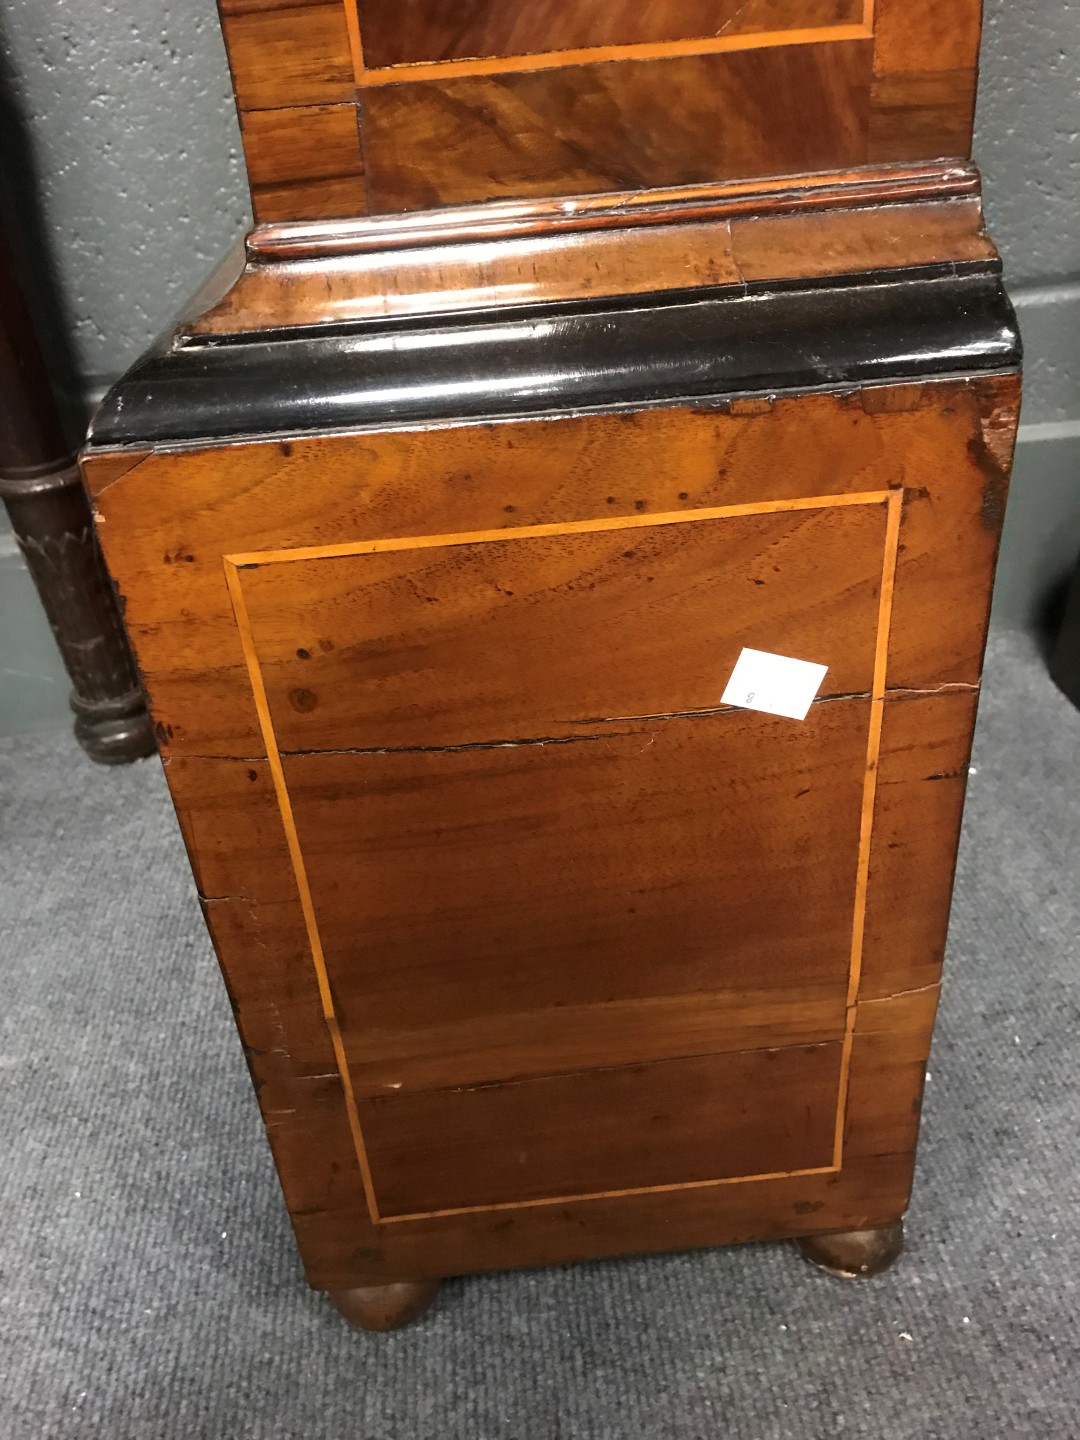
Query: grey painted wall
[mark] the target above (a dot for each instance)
(133, 139)
(121, 122)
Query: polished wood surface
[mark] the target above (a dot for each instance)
(557, 630)
(594, 993)
(458, 104)
(638, 124)
(460, 480)
(292, 286)
(861, 188)
(303, 161)
(288, 53)
(925, 76)
(440, 714)
(643, 1127)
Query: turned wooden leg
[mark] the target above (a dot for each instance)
(855, 1254)
(50, 515)
(385, 1307)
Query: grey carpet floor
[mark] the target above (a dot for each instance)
(149, 1286)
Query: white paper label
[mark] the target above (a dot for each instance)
(774, 684)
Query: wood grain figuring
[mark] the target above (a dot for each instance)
(382, 832)
(882, 638)
(658, 609)
(921, 115)
(461, 106)
(309, 493)
(419, 31)
(640, 260)
(866, 819)
(923, 36)
(641, 1127)
(810, 246)
(782, 1207)
(891, 1043)
(304, 162)
(483, 1049)
(538, 951)
(925, 76)
(606, 55)
(483, 274)
(271, 981)
(236, 806)
(624, 126)
(286, 53)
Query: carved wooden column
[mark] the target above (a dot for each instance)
(50, 514)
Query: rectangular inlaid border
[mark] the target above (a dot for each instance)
(591, 55)
(234, 566)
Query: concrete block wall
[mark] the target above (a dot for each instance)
(117, 117)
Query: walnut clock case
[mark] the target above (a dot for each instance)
(578, 346)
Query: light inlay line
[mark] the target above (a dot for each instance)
(568, 527)
(292, 839)
(356, 43)
(609, 1194)
(866, 829)
(420, 70)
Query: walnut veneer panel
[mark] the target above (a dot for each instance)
(624, 126)
(473, 103)
(404, 32)
(925, 77)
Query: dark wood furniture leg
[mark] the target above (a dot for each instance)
(385, 1307)
(50, 514)
(855, 1254)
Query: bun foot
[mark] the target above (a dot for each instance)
(385, 1307)
(855, 1254)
